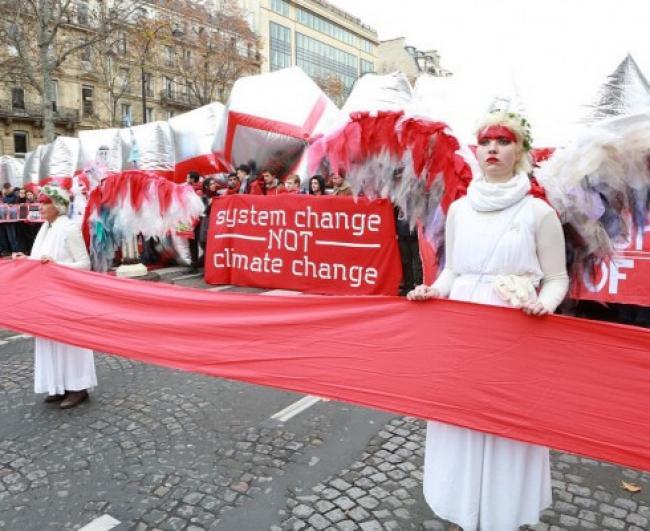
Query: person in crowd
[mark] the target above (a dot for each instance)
(340, 186)
(9, 240)
(292, 184)
(234, 184)
(210, 191)
(268, 185)
(65, 372)
(409, 252)
(30, 197)
(502, 244)
(195, 181)
(317, 185)
(243, 173)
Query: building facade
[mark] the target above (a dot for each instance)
(112, 85)
(326, 42)
(99, 88)
(395, 55)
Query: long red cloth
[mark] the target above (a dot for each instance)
(575, 385)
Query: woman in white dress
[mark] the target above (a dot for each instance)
(505, 248)
(63, 371)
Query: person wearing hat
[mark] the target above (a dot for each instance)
(63, 371)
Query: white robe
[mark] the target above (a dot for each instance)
(59, 367)
(477, 480)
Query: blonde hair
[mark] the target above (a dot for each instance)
(521, 129)
(295, 179)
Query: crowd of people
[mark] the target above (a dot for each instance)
(17, 228)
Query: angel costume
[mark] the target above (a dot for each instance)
(501, 244)
(58, 367)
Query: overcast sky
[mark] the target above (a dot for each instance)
(554, 53)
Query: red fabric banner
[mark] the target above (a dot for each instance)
(313, 244)
(576, 385)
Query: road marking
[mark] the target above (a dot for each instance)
(186, 277)
(296, 408)
(103, 523)
(16, 338)
(220, 288)
(281, 293)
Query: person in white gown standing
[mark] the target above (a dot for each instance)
(63, 371)
(504, 247)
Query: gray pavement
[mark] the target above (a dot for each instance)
(161, 449)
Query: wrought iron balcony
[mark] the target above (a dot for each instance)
(32, 112)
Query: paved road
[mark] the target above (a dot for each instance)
(161, 449)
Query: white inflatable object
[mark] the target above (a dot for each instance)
(194, 134)
(100, 146)
(148, 147)
(270, 119)
(11, 171)
(60, 158)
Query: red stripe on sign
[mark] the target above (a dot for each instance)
(576, 385)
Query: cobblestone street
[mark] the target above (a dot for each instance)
(162, 449)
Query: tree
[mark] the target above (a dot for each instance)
(42, 36)
(334, 87)
(217, 49)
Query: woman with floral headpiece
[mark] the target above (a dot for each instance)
(504, 247)
(62, 371)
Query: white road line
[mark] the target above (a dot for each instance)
(103, 523)
(186, 277)
(297, 407)
(347, 244)
(281, 293)
(240, 237)
(16, 338)
(220, 288)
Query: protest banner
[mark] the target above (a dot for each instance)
(625, 278)
(332, 245)
(571, 384)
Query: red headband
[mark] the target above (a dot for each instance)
(494, 132)
(44, 199)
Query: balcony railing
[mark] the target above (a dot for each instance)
(33, 112)
(177, 99)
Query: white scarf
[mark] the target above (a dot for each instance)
(488, 197)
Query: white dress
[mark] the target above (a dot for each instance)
(59, 367)
(473, 479)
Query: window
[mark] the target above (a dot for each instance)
(87, 100)
(169, 55)
(170, 114)
(20, 142)
(120, 44)
(323, 25)
(320, 60)
(18, 98)
(55, 95)
(123, 79)
(280, 46)
(281, 7)
(169, 87)
(86, 54)
(148, 84)
(127, 116)
(82, 12)
(149, 114)
(366, 66)
(367, 46)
